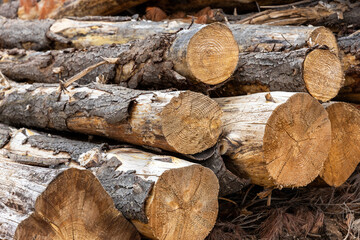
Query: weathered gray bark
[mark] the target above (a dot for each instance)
(9, 9)
(21, 65)
(15, 33)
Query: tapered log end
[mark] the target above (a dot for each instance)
(191, 122)
(323, 74)
(183, 204)
(297, 141)
(345, 151)
(75, 206)
(324, 36)
(213, 54)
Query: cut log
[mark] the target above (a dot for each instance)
(345, 151)
(180, 121)
(35, 148)
(336, 15)
(35, 199)
(317, 72)
(264, 38)
(278, 139)
(350, 53)
(165, 197)
(60, 8)
(149, 62)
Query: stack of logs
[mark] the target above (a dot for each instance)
(113, 128)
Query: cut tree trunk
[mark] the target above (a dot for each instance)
(336, 15)
(59, 8)
(264, 38)
(150, 62)
(350, 53)
(317, 72)
(35, 199)
(179, 121)
(9, 9)
(35, 148)
(345, 151)
(277, 139)
(165, 197)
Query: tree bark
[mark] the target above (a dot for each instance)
(9, 9)
(277, 139)
(317, 72)
(343, 157)
(350, 53)
(35, 148)
(333, 14)
(35, 199)
(78, 8)
(165, 197)
(180, 121)
(143, 63)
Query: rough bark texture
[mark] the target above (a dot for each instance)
(344, 152)
(15, 33)
(78, 8)
(21, 65)
(277, 139)
(149, 188)
(9, 9)
(152, 63)
(350, 53)
(336, 15)
(35, 199)
(184, 122)
(264, 38)
(294, 71)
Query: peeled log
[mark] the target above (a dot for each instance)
(345, 151)
(180, 121)
(35, 199)
(205, 55)
(277, 139)
(165, 197)
(40, 149)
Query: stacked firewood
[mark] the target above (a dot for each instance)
(117, 127)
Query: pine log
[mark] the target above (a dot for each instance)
(278, 139)
(264, 38)
(345, 151)
(350, 53)
(205, 54)
(336, 15)
(179, 121)
(317, 72)
(36, 148)
(165, 197)
(58, 8)
(44, 203)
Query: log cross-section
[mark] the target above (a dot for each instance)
(181, 121)
(43, 203)
(277, 139)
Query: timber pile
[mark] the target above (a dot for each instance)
(207, 119)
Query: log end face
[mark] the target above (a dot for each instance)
(345, 133)
(323, 74)
(323, 36)
(191, 122)
(297, 141)
(213, 54)
(75, 206)
(183, 205)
